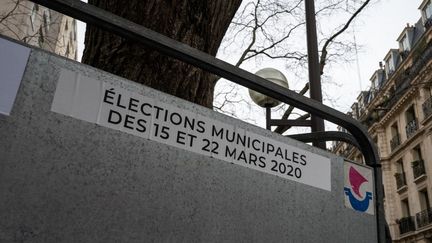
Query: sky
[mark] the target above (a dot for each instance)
(375, 32)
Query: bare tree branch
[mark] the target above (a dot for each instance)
(282, 129)
(7, 15)
(330, 40)
(253, 39)
(323, 59)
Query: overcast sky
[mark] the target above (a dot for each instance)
(376, 30)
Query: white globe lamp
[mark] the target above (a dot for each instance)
(274, 76)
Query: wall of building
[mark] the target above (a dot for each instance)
(38, 26)
(408, 86)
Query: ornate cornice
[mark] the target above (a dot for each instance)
(396, 108)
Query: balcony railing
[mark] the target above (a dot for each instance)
(394, 142)
(406, 225)
(418, 168)
(404, 54)
(427, 107)
(400, 180)
(411, 128)
(424, 217)
(428, 23)
(402, 86)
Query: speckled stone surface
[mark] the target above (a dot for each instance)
(66, 180)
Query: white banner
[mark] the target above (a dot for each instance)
(13, 60)
(117, 108)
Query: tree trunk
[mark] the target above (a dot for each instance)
(197, 23)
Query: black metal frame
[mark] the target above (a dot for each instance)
(326, 136)
(284, 122)
(127, 29)
(317, 122)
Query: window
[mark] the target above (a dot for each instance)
(423, 217)
(394, 129)
(424, 200)
(411, 122)
(46, 21)
(405, 45)
(400, 166)
(405, 208)
(400, 175)
(428, 10)
(33, 14)
(417, 163)
(381, 78)
(394, 133)
(355, 111)
(389, 66)
(410, 114)
(374, 83)
(360, 108)
(427, 104)
(406, 223)
(371, 94)
(417, 154)
(428, 91)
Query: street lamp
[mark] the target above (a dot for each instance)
(277, 77)
(274, 76)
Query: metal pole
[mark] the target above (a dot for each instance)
(314, 70)
(268, 118)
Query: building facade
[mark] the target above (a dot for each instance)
(397, 110)
(39, 26)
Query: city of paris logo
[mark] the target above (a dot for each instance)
(358, 189)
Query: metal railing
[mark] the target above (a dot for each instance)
(134, 32)
(400, 180)
(424, 217)
(394, 142)
(406, 225)
(418, 168)
(428, 23)
(427, 108)
(411, 128)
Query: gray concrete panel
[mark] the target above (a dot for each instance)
(67, 180)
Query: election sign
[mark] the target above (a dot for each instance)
(358, 189)
(118, 108)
